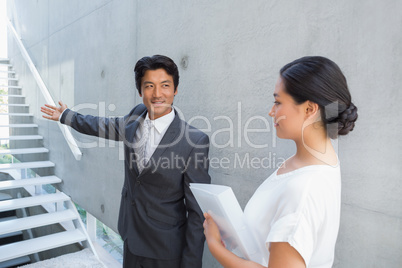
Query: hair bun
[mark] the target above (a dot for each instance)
(347, 119)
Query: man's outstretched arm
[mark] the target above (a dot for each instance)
(107, 128)
(104, 127)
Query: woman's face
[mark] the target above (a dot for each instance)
(287, 114)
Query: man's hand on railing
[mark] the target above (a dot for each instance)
(53, 112)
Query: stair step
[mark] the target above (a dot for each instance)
(15, 104)
(36, 164)
(25, 151)
(12, 232)
(8, 72)
(9, 78)
(6, 64)
(19, 87)
(19, 125)
(15, 262)
(11, 184)
(32, 201)
(19, 224)
(31, 246)
(8, 236)
(17, 114)
(12, 95)
(22, 137)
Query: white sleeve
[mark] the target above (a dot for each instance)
(296, 222)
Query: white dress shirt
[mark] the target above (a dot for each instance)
(158, 129)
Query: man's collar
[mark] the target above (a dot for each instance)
(162, 122)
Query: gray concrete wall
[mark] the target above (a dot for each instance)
(229, 53)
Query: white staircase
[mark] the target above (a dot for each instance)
(62, 210)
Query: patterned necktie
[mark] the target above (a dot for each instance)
(142, 157)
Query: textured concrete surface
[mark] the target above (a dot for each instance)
(83, 259)
(229, 54)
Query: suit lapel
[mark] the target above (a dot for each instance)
(131, 137)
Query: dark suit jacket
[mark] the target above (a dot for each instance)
(159, 217)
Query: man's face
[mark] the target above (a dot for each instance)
(157, 92)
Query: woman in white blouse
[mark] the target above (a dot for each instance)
(295, 213)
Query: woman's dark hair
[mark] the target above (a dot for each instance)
(153, 63)
(321, 81)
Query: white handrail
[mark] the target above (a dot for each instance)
(64, 129)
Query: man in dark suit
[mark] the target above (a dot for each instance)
(159, 220)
